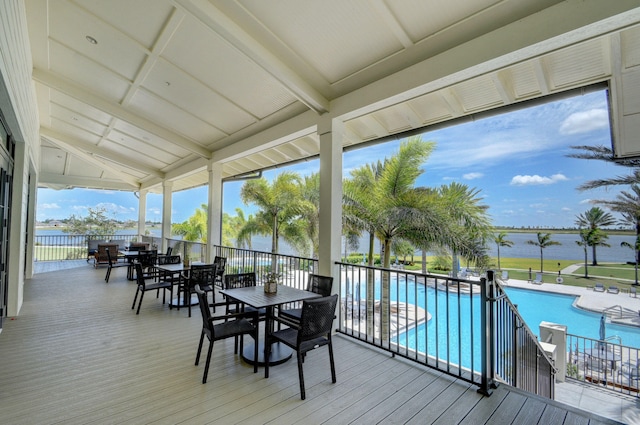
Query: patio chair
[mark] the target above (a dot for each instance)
(221, 263)
(505, 275)
(148, 260)
(538, 280)
(113, 263)
(612, 289)
(231, 325)
(138, 246)
(242, 280)
(92, 247)
(632, 291)
(599, 287)
(317, 284)
(101, 256)
(314, 331)
(143, 287)
(202, 275)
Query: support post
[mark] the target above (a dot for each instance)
(487, 297)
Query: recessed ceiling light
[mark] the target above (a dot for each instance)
(92, 40)
(167, 83)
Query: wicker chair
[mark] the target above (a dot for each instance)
(221, 263)
(314, 331)
(101, 256)
(242, 280)
(143, 287)
(231, 325)
(317, 284)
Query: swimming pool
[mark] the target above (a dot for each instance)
(442, 336)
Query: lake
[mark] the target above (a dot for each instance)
(569, 250)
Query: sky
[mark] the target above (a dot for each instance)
(517, 160)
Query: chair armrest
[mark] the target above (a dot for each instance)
(291, 324)
(240, 315)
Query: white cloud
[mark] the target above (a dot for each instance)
(472, 176)
(584, 122)
(585, 201)
(154, 211)
(565, 209)
(526, 180)
(49, 206)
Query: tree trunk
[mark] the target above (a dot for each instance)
(424, 261)
(384, 295)
(586, 261)
(541, 259)
(499, 257)
(594, 260)
(371, 288)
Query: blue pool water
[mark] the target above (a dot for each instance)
(445, 342)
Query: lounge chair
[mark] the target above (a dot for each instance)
(612, 289)
(632, 292)
(599, 287)
(505, 275)
(538, 279)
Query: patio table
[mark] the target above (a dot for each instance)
(257, 298)
(183, 271)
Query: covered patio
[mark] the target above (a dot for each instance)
(91, 359)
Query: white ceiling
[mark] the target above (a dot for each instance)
(172, 84)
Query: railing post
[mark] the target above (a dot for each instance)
(488, 339)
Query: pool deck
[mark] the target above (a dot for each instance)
(621, 307)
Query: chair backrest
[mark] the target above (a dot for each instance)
(93, 243)
(317, 317)
(202, 275)
(169, 251)
(102, 251)
(138, 246)
(320, 284)
(109, 256)
(239, 280)
(148, 258)
(119, 242)
(140, 276)
(221, 263)
(204, 310)
(169, 259)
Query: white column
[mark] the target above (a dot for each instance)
(166, 213)
(142, 212)
(214, 215)
(331, 135)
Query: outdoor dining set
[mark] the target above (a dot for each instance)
(304, 318)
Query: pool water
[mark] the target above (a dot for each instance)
(442, 337)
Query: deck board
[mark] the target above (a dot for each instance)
(78, 354)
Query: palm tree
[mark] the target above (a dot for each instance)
(501, 240)
(603, 153)
(280, 207)
(627, 203)
(193, 229)
(635, 248)
(584, 243)
(469, 215)
(543, 241)
(593, 220)
(310, 211)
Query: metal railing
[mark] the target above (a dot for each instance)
(293, 270)
(605, 363)
(437, 321)
(70, 247)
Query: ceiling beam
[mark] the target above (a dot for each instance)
(220, 23)
(97, 150)
(82, 94)
(75, 181)
(80, 153)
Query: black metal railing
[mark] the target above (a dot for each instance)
(70, 247)
(520, 360)
(607, 364)
(293, 270)
(438, 321)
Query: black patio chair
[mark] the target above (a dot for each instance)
(202, 275)
(113, 263)
(230, 325)
(148, 259)
(143, 287)
(313, 331)
(221, 263)
(242, 280)
(317, 284)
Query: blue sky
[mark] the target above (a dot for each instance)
(517, 160)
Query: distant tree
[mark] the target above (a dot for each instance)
(584, 243)
(94, 224)
(593, 221)
(627, 203)
(543, 241)
(501, 240)
(635, 248)
(193, 229)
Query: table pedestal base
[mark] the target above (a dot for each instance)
(280, 353)
(179, 301)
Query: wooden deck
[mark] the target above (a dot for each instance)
(78, 354)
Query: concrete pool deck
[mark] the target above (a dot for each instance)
(622, 307)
